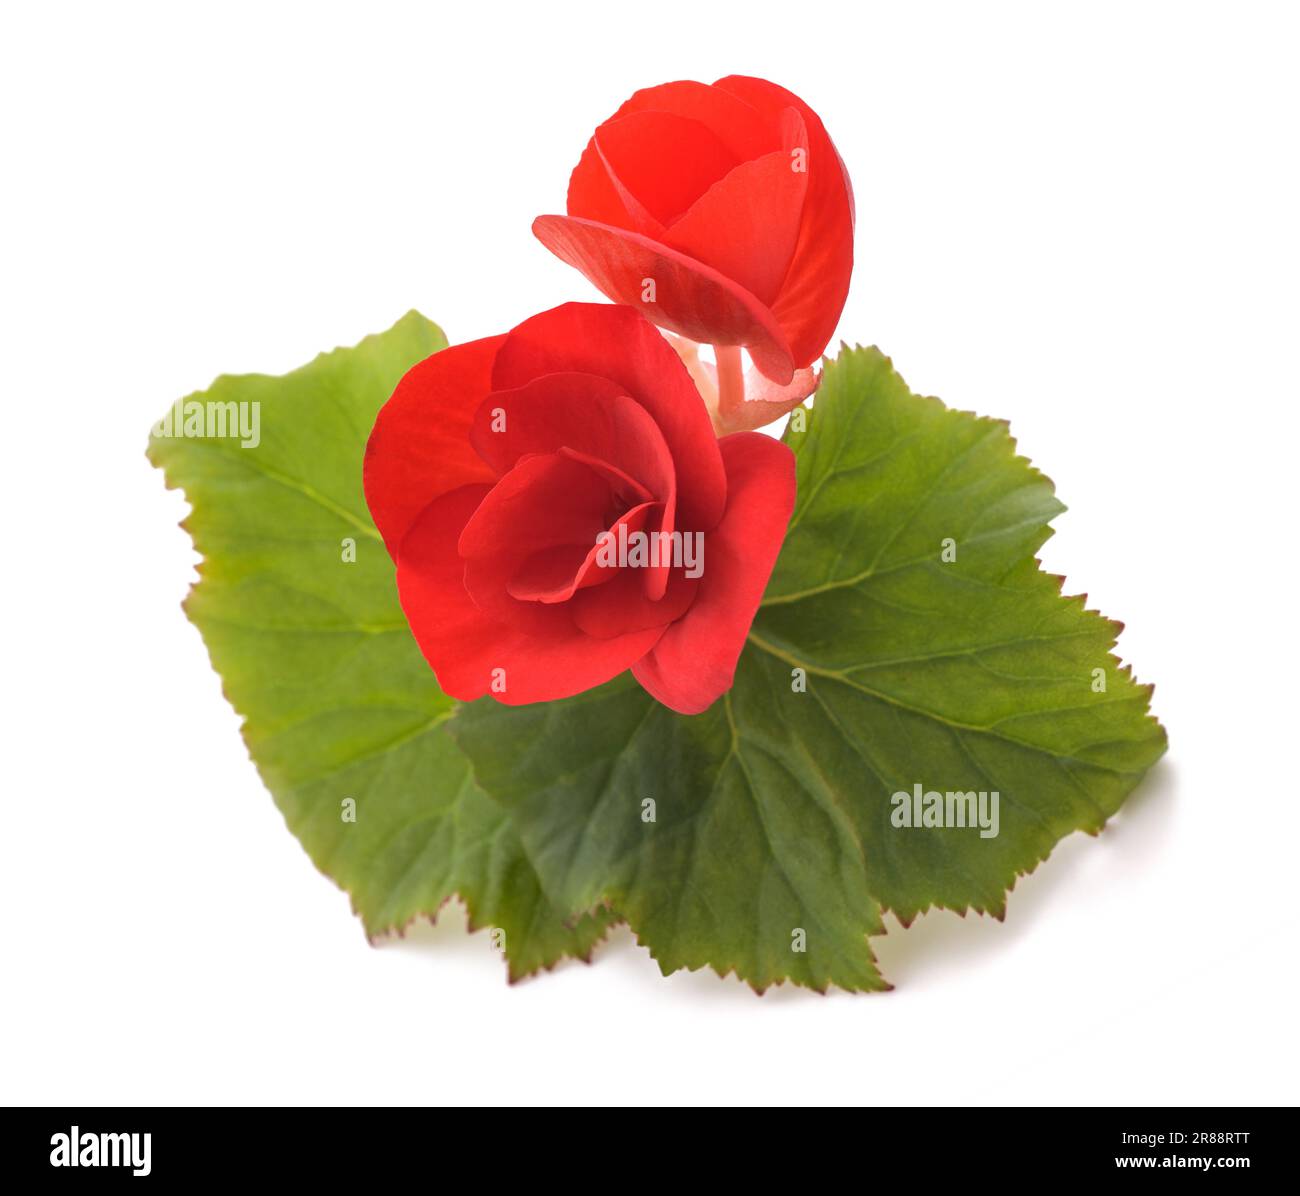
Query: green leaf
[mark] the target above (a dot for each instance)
(773, 808)
(746, 848)
(314, 652)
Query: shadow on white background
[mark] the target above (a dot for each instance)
(941, 942)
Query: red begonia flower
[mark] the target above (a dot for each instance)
(725, 214)
(559, 510)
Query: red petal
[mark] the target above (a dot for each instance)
(695, 661)
(594, 193)
(582, 412)
(592, 419)
(419, 447)
(464, 646)
(690, 298)
(624, 488)
(655, 582)
(746, 132)
(817, 284)
(660, 164)
(622, 606)
(765, 401)
(544, 502)
(556, 574)
(747, 225)
(743, 132)
(616, 343)
(546, 499)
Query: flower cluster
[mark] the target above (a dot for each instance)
(583, 494)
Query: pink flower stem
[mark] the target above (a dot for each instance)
(731, 379)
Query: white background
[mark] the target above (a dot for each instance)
(1082, 219)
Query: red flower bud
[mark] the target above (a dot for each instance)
(722, 212)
